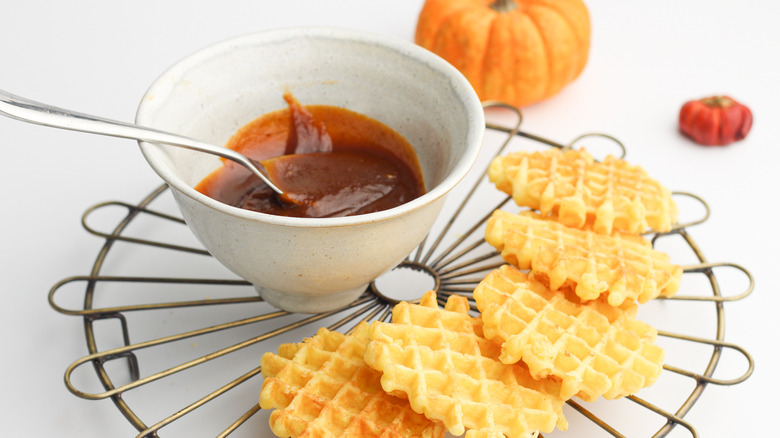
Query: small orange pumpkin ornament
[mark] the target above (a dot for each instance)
(515, 51)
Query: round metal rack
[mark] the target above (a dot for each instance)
(178, 353)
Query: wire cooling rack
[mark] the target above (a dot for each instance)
(176, 343)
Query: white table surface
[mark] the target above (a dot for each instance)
(98, 57)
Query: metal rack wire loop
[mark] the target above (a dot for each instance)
(708, 269)
(454, 256)
(148, 280)
(719, 345)
(135, 209)
(705, 216)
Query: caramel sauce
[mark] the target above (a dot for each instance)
(330, 161)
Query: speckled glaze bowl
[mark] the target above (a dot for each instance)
(303, 264)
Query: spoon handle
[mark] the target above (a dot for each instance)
(20, 108)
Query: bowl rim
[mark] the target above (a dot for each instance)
(461, 86)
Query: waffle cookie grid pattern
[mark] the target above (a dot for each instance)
(593, 349)
(570, 184)
(323, 388)
(439, 359)
(591, 264)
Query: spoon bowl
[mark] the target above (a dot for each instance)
(314, 181)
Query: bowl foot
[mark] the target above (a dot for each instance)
(310, 303)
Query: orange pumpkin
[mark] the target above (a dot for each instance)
(515, 51)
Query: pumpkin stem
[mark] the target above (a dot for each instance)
(503, 5)
(717, 102)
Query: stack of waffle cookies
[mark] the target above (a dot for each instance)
(557, 321)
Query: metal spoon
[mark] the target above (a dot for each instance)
(27, 110)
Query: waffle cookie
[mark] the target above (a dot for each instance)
(440, 361)
(571, 186)
(323, 388)
(593, 349)
(591, 264)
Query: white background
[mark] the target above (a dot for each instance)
(98, 57)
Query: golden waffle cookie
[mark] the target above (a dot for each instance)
(590, 263)
(439, 359)
(594, 349)
(576, 189)
(323, 388)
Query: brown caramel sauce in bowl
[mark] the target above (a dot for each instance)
(330, 161)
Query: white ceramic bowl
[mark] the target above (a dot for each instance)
(303, 264)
